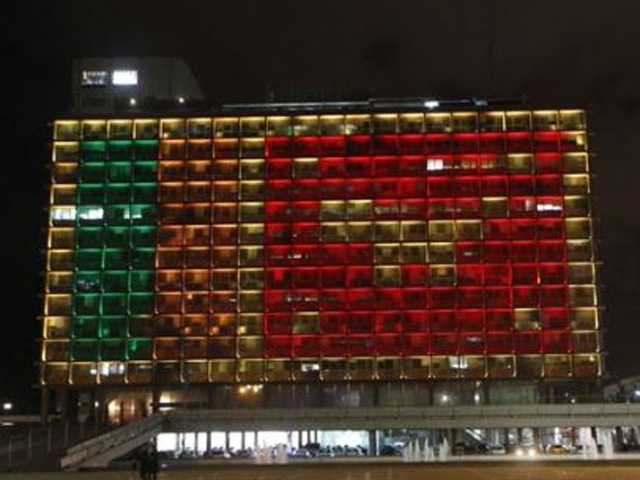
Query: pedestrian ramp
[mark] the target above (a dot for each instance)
(99, 451)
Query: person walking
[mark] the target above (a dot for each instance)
(154, 463)
(143, 463)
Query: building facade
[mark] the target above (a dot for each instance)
(321, 255)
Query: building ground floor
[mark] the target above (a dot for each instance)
(121, 404)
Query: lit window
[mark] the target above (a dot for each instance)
(310, 367)
(125, 77)
(95, 213)
(435, 164)
(93, 78)
(63, 213)
(549, 207)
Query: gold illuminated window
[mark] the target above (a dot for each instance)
(360, 231)
(332, 125)
(492, 121)
(65, 152)
(385, 123)
(579, 250)
(65, 130)
(387, 231)
(411, 123)
(414, 231)
(251, 169)
(199, 127)
(252, 127)
(578, 228)
(251, 256)
(280, 126)
(469, 229)
(441, 230)
(526, 319)
(358, 125)
(387, 254)
(305, 168)
(226, 127)
(576, 206)
(442, 275)
(495, 207)
(387, 276)
(172, 128)
(251, 278)
(250, 324)
(57, 327)
(573, 120)
(584, 318)
(414, 253)
(94, 129)
(332, 210)
(518, 121)
(305, 125)
(360, 209)
(145, 129)
(222, 370)
(545, 120)
(441, 253)
(306, 323)
(438, 122)
(251, 212)
(250, 370)
(576, 184)
(575, 162)
(582, 295)
(465, 122)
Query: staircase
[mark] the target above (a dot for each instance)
(98, 451)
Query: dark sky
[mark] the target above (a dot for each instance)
(575, 53)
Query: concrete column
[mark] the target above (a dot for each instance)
(227, 441)
(155, 400)
(373, 443)
(208, 446)
(44, 406)
(243, 440)
(536, 436)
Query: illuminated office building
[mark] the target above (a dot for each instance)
(328, 255)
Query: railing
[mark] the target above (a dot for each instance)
(26, 445)
(570, 415)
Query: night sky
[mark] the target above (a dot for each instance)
(556, 53)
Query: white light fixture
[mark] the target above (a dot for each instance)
(133, 102)
(7, 406)
(124, 77)
(181, 100)
(431, 104)
(91, 78)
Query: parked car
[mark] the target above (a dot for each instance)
(558, 449)
(464, 448)
(390, 451)
(300, 453)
